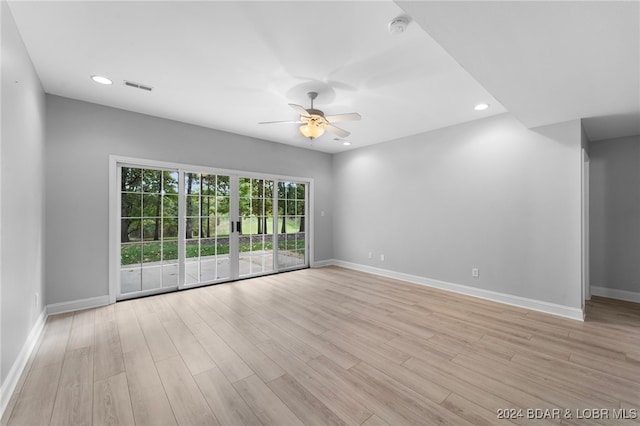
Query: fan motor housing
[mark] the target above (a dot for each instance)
(312, 111)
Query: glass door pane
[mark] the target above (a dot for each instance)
(182, 228)
(255, 240)
(207, 225)
(148, 229)
(292, 241)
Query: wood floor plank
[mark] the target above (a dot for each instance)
(187, 402)
(264, 403)
(111, 401)
(193, 354)
(338, 399)
(375, 421)
(326, 346)
(418, 348)
(54, 341)
(180, 304)
(143, 306)
(410, 404)
(319, 343)
(239, 322)
(105, 314)
(509, 374)
(571, 345)
(162, 308)
(605, 339)
(617, 368)
(231, 365)
(82, 330)
(299, 315)
(263, 366)
(148, 399)
(34, 404)
(302, 402)
(291, 343)
(621, 389)
(397, 328)
(474, 392)
(471, 412)
(156, 336)
(344, 381)
(631, 410)
(364, 349)
(225, 402)
(74, 398)
(107, 360)
(131, 336)
(516, 397)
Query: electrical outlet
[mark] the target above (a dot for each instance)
(36, 301)
(382, 257)
(475, 272)
(370, 255)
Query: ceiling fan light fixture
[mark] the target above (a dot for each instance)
(311, 130)
(481, 107)
(314, 122)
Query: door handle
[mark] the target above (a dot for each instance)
(239, 226)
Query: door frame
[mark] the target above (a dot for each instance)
(114, 208)
(586, 285)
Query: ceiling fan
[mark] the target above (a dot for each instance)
(314, 122)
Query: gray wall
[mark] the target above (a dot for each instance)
(615, 213)
(21, 208)
(489, 194)
(80, 138)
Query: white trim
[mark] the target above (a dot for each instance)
(114, 228)
(586, 292)
(522, 302)
(323, 263)
(613, 293)
(77, 305)
(310, 225)
(137, 162)
(10, 383)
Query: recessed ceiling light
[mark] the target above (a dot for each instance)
(481, 107)
(345, 143)
(100, 79)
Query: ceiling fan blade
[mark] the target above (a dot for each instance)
(300, 110)
(289, 121)
(337, 130)
(351, 116)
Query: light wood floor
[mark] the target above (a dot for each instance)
(325, 347)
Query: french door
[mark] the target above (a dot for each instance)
(181, 227)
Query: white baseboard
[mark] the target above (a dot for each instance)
(77, 305)
(9, 385)
(323, 263)
(20, 363)
(522, 302)
(612, 293)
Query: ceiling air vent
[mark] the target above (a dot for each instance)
(138, 85)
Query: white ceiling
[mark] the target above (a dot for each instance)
(230, 65)
(547, 61)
